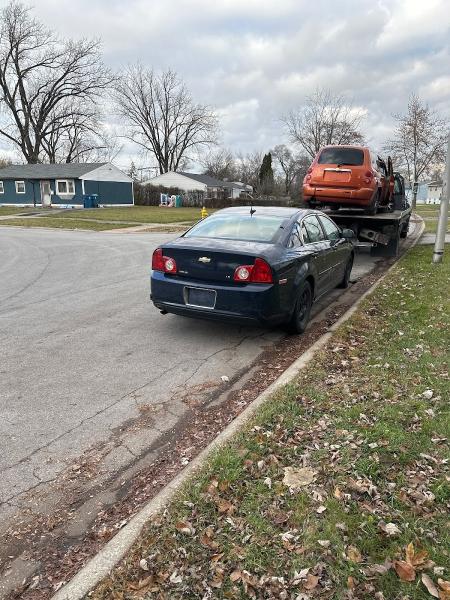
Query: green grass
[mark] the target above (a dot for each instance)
(56, 223)
(136, 214)
(358, 417)
(14, 210)
(430, 214)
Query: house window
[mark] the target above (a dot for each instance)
(2, 189)
(20, 187)
(65, 187)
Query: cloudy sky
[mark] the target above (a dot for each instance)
(253, 60)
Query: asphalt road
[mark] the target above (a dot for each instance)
(83, 351)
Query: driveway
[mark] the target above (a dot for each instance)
(84, 355)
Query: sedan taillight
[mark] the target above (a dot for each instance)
(259, 272)
(164, 264)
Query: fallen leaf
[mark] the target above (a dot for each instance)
(445, 585)
(428, 583)
(143, 564)
(338, 493)
(389, 529)
(296, 478)
(351, 583)
(185, 527)
(235, 576)
(225, 506)
(321, 509)
(404, 570)
(410, 553)
(354, 554)
(311, 582)
(444, 592)
(175, 578)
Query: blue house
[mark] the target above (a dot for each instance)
(64, 184)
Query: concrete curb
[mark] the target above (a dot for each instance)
(102, 563)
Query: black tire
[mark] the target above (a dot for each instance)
(373, 208)
(302, 310)
(348, 270)
(404, 231)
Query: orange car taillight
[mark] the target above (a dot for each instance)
(368, 175)
(259, 272)
(164, 264)
(308, 175)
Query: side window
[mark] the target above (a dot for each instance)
(295, 239)
(314, 229)
(305, 235)
(331, 230)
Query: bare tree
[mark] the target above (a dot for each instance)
(43, 80)
(220, 164)
(162, 117)
(326, 118)
(292, 166)
(418, 145)
(4, 162)
(248, 166)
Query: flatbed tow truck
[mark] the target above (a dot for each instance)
(383, 230)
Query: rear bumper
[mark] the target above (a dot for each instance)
(246, 304)
(336, 195)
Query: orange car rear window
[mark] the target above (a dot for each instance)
(341, 156)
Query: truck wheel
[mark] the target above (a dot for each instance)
(348, 269)
(404, 231)
(302, 310)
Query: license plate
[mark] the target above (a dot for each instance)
(331, 175)
(200, 297)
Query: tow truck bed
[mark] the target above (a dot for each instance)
(383, 230)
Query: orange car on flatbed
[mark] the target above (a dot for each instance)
(350, 177)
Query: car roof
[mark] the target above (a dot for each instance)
(278, 211)
(356, 146)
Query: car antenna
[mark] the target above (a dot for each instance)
(252, 210)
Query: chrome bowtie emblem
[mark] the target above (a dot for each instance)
(204, 259)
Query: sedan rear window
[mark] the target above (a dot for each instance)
(246, 228)
(341, 156)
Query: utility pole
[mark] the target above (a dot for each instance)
(443, 212)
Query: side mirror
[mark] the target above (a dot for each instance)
(348, 234)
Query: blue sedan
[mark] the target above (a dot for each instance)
(263, 265)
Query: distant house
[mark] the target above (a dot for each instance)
(203, 183)
(428, 192)
(64, 184)
(434, 192)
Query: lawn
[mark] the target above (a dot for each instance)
(430, 214)
(14, 210)
(56, 223)
(135, 214)
(339, 488)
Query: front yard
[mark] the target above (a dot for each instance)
(101, 219)
(340, 487)
(430, 215)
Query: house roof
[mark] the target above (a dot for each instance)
(212, 181)
(46, 171)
